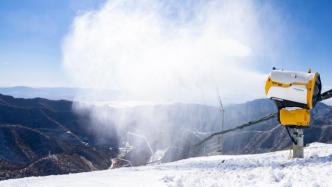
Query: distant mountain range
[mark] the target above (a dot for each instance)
(58, 93)
(41, 137)
(49, 93)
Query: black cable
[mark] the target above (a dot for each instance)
(250, 123)
(290, 136)
(326, 95)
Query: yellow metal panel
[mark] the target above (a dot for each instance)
(298, 117)
(310, 93)
(268, 85)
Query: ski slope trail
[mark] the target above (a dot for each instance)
(269, 169)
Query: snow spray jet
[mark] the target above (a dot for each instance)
(168, 51)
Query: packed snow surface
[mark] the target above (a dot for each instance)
(269, 169)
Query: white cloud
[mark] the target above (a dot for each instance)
(147, 53)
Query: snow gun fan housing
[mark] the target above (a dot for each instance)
(295, 94)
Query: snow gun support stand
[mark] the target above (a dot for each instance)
(297, 137)
(295, 94)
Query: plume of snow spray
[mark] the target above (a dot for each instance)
(167, 51)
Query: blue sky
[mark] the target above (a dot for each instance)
(32, 31)
(309, 25)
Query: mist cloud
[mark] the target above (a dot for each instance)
(155, 51)
(169, 51)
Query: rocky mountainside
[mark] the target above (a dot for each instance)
(42, 137)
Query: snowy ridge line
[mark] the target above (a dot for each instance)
(61, 126)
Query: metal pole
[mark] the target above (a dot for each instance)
(298, 144)
(221, 137)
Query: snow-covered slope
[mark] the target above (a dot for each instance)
(274, 169)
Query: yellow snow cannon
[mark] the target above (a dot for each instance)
(295, 94)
